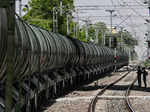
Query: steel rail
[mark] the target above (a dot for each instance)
(127, 101)
(94, 100)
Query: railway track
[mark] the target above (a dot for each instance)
(127, 101)
(94, 100)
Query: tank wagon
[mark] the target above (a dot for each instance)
(46, 64)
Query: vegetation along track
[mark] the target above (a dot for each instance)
(94, 100)
(127, 101)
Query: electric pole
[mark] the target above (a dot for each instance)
(68, 21)
(20, 8)
(61, 7)
(86, 31)
(55, 20)
(148, 36)
(103, 37)
(121, 39)
(96, 35)
(111, 12)
(68, 24)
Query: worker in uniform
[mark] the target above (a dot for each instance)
(145, 73)
(139, 73)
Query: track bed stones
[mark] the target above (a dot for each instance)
(141, 96)
(116, 92)
(79, 100)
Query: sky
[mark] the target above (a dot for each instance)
(130, 14)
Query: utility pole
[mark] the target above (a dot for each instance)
(96, 35)
(121, 39)
(55, 17)
(55, 20)
(129, 54)
(77, 27)
(61, 7)
(74, 30)
(86, 31)
(68, 21)
(104, 38)
(110, 38)
(111, 12)
(149, 5)
(68, 32)
(148, 36)
(20, 8)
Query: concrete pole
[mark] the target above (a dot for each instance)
(54, 19)
(148, 36)
(74, 30)
(111, 12)
(61, 7)
(110, 38)
(20, 8)
(111, 21)
(121, 39)
(67, 24)
(86, 30)
(104, 38)
(96, 35)
(77, 27)
(129, 55)
(148, 3)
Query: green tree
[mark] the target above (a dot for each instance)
(128, 39)
(91, 31)
(147, 63)
(40, 13)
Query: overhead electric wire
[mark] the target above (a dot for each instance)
(92, 16)
(140, 3)
(80, 6)
(138, 15)
(123, 20)
(135, 11)
(104, 8)
(115, 6)
(132, 28)
(119, 11)
(127, 24)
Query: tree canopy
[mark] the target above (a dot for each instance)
(100, 26)
(40, 13)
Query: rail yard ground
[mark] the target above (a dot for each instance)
(111, 101)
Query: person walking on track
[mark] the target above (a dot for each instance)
(139, 73)
(145, 73)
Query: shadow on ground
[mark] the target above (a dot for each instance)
(115, 87)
